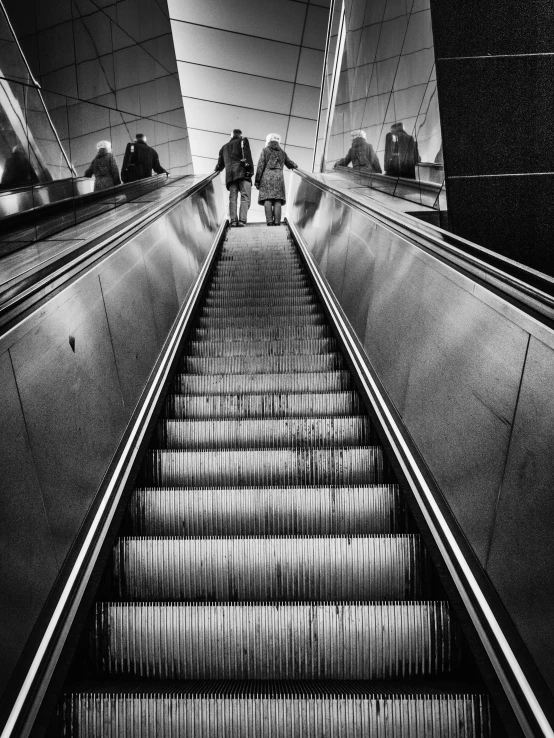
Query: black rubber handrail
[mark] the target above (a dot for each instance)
(19, 296)
(527, 288)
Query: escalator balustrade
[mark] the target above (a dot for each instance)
(269, 582)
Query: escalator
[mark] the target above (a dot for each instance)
(268, 578)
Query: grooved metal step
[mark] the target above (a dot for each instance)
(265, 433)
(294, 346)
(260, 289)
(255, 511)
(221, 320)
(229, 300)
(211, 712)
(275, 332)
(285, 405)
(268, 586)
(223, 383)
(234, 275)
(303, 363)
(275, 641)
(247, 313)
(282, 569)
(267, 467)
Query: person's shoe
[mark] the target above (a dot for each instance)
(241, 224)
(277, 224)
(269, 224)
(233, 224)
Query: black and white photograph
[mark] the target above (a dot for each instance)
(286, 483)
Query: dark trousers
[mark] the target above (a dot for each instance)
(272, 212)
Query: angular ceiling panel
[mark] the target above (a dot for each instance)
(251, 64)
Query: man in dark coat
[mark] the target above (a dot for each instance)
(139, 161)
(401, 154)
(236, 159)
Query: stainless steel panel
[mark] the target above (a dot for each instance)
(63, 415)
(72, 403)
(465, 367)
(522, 549)
(131, 319)
(28, 563)
(159, 273)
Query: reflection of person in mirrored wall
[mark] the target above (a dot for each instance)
(401, 154)
(139, 160)
(104, 167)
(361, 155)
(18, 171)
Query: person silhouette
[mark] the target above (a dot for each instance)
(401, 154)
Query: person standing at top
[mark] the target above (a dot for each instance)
(236, 159)
(401, 154)
(139, 161)
(361, 155)
(104, 167)
(269, 178)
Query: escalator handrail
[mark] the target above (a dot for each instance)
(38, 285)
(27, 703)
(528, 289)
(510, 672)
(11, 221)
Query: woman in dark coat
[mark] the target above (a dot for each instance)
(269, 178)
(361, 155)
(104, 167)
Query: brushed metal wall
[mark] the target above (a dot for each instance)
(65, 408)
(473, 380)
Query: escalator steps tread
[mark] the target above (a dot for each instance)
(267, 582)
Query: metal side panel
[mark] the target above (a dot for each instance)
(451, 359)
(80, 372)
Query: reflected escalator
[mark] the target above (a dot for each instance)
(268, 579)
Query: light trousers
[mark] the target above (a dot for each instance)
(272, 211)
(243, 186)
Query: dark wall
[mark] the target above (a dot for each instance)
(65, 407)
(107, 69)
(495, 69)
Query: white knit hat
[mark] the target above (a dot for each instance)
(359, 134)
(272, 137)
(104, 145)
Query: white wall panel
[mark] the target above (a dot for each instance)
(235, 51)
(281, 20)
(220, 85)
(250, 64)
(220, 118)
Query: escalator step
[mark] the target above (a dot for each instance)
(252, 511)
(295, 346)
(231, 275)
(263, 405)
(259, 289)
(225, 384)
(303, 363)
(247, 313)
(281, 569)
(265, 433)
(274, 332)
(294, 322)
(228, 300)
(218, 713)
(265, 467)
(275, 641)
